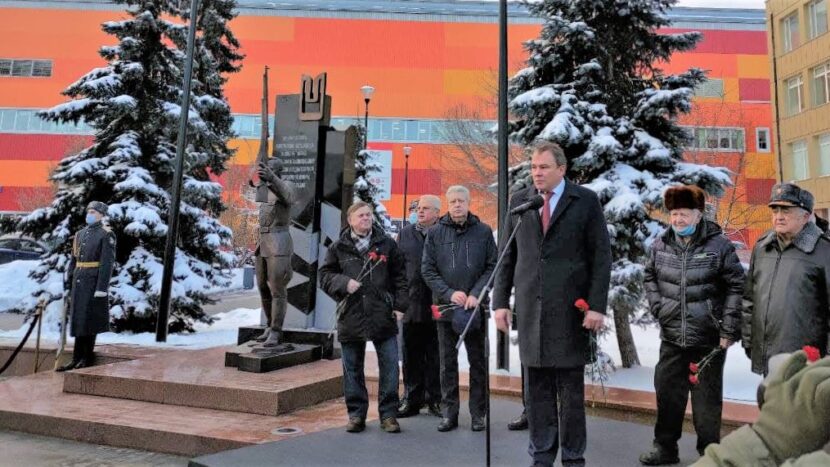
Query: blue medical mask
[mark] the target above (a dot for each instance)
(90, 219)
(686, 232)
(413, 217)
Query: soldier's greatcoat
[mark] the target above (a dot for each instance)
(90, 269)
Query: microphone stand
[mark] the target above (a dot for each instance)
(481, 296)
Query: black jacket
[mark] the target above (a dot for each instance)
(572, 260)
(411, 243)
(90, 269)
(695, 291)
(367, 315)
(458, 257)
(786, 304)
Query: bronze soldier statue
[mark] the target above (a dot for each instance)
(89, 271)
(274, 249)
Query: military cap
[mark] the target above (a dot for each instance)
(98, 206)
(789, 194)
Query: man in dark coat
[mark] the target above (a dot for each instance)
(422, 384)
(694, 283)
(364, 270)
(89, 271)
(459, 256)
(560, 254)
(787, 293)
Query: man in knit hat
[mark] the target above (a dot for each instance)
(89, 271)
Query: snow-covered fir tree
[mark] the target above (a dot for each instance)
(594, 85)
(364, 190)
(133, 104)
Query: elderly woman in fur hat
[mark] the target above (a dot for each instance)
(694, 284)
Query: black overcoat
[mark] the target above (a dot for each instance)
(89, 314)
(550, 273)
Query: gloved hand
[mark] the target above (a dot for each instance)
(99, 294)
(794, 418)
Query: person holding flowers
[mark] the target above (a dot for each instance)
(364, 270)
(694, 286)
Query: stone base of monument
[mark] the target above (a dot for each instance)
(264, 359)
(323, 338)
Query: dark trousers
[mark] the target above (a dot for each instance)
(671, 382)
(554, 398)
(474, 344)
(354, 378)
(84, 349)
(421, 363)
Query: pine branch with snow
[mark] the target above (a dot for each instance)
(133, 104)
(593, 84)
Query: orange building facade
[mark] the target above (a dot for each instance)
(426, 61)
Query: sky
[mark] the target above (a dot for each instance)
(721, 4)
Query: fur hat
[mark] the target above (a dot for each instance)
(684, 197)
(98, 206)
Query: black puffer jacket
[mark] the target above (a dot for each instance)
(787, 296)
(695, 291)
(458, 257)
(367, 315)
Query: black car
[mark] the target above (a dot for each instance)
(16, 248)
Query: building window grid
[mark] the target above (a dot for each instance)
(762, 140)
(817, 16)
(800, 160)
(795, 95)
(25, 68)
(824, 153)
(712, 87)
(790, 35)
(724, 139)
(821, 84)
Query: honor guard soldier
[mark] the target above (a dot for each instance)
(89, 272)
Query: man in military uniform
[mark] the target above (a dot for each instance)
(89, 271)
(274, 249)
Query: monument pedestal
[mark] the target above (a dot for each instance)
(301, 346)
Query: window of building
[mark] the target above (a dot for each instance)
(795, 95)
(762, 140)
(710, 88)
(717, 139)
(801, 169)
(789, 32)
(25, 68)
(817, 16)
(824, 153)
(821, 84)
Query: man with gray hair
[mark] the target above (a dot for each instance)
(459, 256)
(422, 384)
(787, 293)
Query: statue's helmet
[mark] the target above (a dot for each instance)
(276, 166)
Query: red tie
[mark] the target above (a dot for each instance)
(546, 213)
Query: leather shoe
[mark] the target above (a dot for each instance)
(659, 455)
(390, 425)
(67, 367)
(447, 424)
(407, 409)
(478, 424)
(82, 363)
(356, 425)
(519, 423)
(435, 409)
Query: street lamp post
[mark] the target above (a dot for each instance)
(407, 150)
(367, 92)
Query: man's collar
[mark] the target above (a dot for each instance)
(558, 189)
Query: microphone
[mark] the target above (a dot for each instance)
(535, 203)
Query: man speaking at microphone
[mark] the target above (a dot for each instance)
(561, 253)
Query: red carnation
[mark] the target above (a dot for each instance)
(373, 256)
(812, 353)
(582, 305)
(693, 379)
(436, 313)
(693, 367)
(383, 258)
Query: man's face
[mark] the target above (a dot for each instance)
(545, 172)
(361, 220)
(788, 220)
(427, 213)
(98, 216)
(682, 218)
(458, 205)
